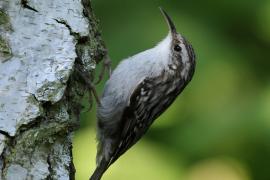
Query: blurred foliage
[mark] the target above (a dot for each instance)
(219, 127)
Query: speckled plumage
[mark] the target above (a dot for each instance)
(140, 89)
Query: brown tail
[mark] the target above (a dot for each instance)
(99, 171)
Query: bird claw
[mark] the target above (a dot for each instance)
(91, 87)
(93, 91)
(106, 65)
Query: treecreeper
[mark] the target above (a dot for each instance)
(139, 90)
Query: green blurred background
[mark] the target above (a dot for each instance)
(219, 127)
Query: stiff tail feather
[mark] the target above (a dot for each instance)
(100, 169)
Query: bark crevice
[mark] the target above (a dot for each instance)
(49, 168)
(64, 22)
(5, 134)
(25, 5)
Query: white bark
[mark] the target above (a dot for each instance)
(39, 89)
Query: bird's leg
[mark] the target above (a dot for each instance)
(106, 65)
(91, 87)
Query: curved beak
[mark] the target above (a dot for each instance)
(169, 21)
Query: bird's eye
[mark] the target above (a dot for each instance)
(177, 48)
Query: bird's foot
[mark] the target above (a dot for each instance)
(90, 86)
(106, 66)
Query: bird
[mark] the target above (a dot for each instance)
(138, 91)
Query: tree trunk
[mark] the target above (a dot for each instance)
(41, 45)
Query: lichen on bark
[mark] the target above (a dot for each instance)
(5, 50)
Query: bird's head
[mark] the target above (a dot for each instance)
(180, 50)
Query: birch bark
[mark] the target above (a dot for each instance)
(41, 43)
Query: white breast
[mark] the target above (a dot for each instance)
(131, 71)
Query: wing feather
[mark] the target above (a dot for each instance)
(147, 102)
